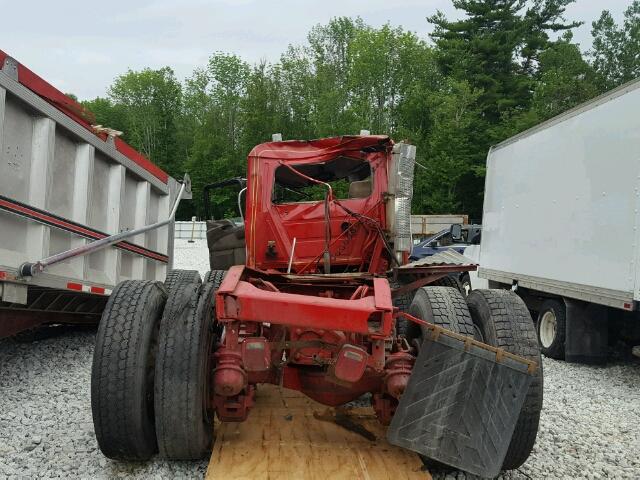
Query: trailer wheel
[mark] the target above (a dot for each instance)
(551, 327)
(188, 334)
(177, 277)
(123, 371)
(501, 319)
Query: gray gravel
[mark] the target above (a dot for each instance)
(590, 423)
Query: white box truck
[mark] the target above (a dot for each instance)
(561, 224)
(80, 210)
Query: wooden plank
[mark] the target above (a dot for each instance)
(289, 436)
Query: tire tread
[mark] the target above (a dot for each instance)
(120, 430)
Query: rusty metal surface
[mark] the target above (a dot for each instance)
(446, 258)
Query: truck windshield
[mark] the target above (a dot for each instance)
(348, 177)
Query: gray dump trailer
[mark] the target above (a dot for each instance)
(80, 210)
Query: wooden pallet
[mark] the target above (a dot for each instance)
(288, 436)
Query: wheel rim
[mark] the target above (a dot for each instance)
(548, 328)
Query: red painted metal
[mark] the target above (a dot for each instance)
(80, 115)
(351, 362)
(330, 336)
(256, 354)
(267, 222)
(398, 371)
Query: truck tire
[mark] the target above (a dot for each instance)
(177, 277)
(183, 368)
(502, 320)
(449, 281)
(403, 301)
(123, 370)
(551, 328)
(215, 276)
(441, 306)
(445, 307)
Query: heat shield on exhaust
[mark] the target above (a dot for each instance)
(461, 404)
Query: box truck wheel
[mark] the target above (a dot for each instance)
(176, 277)
(123, 370)
(188, 334)
(502, 320)
(552, 328)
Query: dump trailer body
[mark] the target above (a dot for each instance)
(63, 184)
(572, 184)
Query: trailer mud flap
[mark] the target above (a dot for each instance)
(461, 404)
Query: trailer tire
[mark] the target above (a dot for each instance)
(184, 424)
(178, 277)
(502, 320)
(123, 370)
(551, 328)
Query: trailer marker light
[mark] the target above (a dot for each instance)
(78, 287)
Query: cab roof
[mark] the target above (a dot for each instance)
(321, 149)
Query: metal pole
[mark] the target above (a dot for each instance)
(293, 249)
(193, 229)
(30, 269)
(240, 202)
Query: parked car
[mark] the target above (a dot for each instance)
(450, 239)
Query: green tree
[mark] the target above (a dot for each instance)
(152, 100)
(616, 48)
(213, 114)
(109, 114)
(495, 47)
(565, 79)
(449, 156)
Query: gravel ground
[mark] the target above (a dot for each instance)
(590, 423)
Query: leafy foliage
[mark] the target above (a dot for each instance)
(503, 67)
(616, 48)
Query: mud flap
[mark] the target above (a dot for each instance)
(461, 404)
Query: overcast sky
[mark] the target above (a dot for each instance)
(80, 47)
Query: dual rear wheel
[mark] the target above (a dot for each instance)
(501, 319)
(151, 368)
